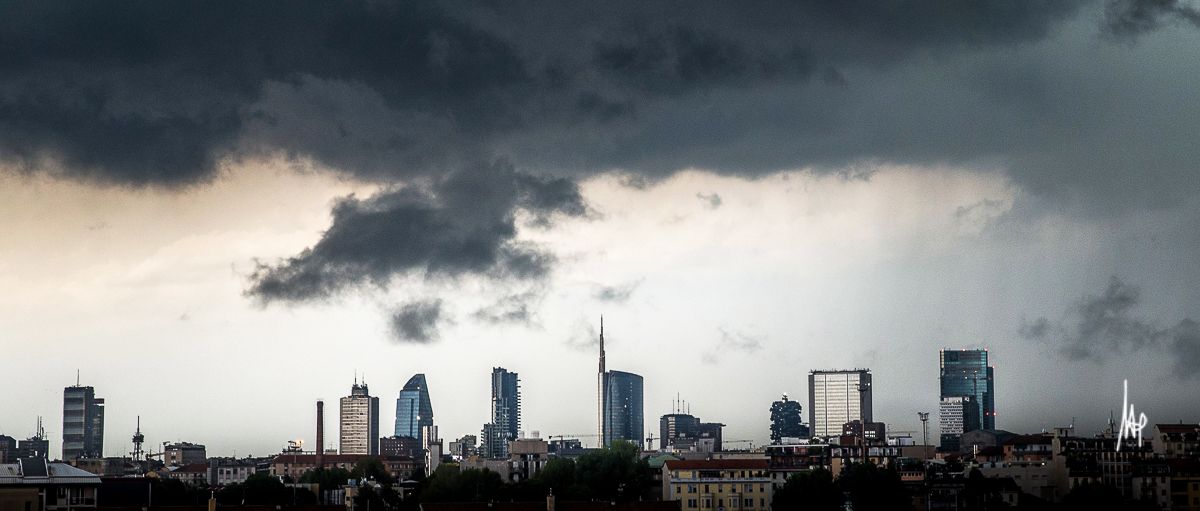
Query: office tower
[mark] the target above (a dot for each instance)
(359, 422)
(413, 409)
(506, 402)
(491, 441)
(837, 397)
(83, 423)
(786, 420)
(400, 446)
(710, 431)
(678, 431)
(957, 415)
(623, 408)
(967, 373)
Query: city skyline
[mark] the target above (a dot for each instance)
(193, 199)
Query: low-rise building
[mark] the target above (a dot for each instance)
(742, 484)
(295, 465)
(1177, 441)
(183, 453)
(526, 457)
(34, 484)
(192, 474)
(226, 471)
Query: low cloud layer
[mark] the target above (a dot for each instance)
(1106, 325)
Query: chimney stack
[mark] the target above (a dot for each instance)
(320, 434)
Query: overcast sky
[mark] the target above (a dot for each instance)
(221, 212)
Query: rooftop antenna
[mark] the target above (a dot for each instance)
(76, 377)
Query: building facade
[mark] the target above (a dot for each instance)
(718, 484)
(506, 408)
(33, 484)
(837, 397)
(623, 418)
(957, 415)
(83, 423)
(358, 431)
(413, 408)
(184, 453)
(967, 373)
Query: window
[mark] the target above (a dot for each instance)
(748, 488)
(748, 503)
(692, 503)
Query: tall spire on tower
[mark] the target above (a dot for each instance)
(600, 390)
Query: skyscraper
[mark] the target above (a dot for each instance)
(359, 422)
(83, 423)
(967, 373)
(786, 420)
(623, 408)
(957, 415)
(601, 394)
(837, 397)
(413, 409)
(506, 409)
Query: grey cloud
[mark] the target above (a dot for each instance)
(462, 225)
(713, 200)
(1132, 18)
(514, 308)
(732, 341)
(1105, 325)
(417, 321)
(618, 293)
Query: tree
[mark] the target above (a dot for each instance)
(785, 420)
(372, 469)
(616, 472)
(448, 484)
(813, 490)
(1092, 496)
(870, 487)
(327, 478)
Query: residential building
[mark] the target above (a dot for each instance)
(967, 373)
(1178, 441)
(464, 447)
(295, 464)
(33, 484)
(413, 408)
(506, 409)
(957, 415)
(83, 423)
(623, 408)
(786, 420)
(8, 449)
(179, 454)
(193, 474)
(718, 484)
(400, 446)
(226, 471)
(358, 431)
(493, 444)
(526, 457)
(836, 397)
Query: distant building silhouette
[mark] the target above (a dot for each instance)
(83, 423)
(786, 420)
(413, 409)
(358, 431)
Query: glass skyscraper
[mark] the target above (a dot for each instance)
(623, 408)
(413, 409)
(967, 373)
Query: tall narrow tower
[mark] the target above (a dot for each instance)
(600, 394)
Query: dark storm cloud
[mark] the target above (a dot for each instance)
(462, 224)
(417, 321)
(1132, 18)
(413, 95)
(1105, 325)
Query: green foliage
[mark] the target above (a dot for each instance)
(448, 484)
(1089, 496)
(372, 469)
(813, 490)
(263, 489)
(614, 473)
(870, 487)
(327, 478)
